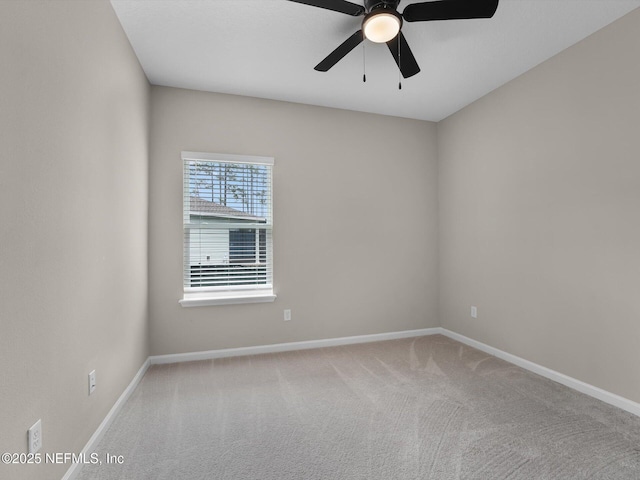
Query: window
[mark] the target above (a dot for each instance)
(227, 216)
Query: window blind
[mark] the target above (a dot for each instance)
(227, 216)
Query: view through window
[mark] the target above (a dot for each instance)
(227, 222)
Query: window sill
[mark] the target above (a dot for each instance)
(230, 298)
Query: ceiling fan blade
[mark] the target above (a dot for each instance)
(334, 57)
(341, 6)
(406, 61)
(450, 10)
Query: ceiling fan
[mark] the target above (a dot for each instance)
(382, 23)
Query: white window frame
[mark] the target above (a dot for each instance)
(204, 296)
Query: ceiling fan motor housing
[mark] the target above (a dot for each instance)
(371, 5)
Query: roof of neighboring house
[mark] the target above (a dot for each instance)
(200, 206)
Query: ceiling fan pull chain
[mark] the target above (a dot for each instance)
(364, 63)
(399, 69)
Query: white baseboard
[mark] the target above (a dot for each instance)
(580, 386)
(284, 347)
(75, 468)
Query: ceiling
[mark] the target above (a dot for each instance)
(268, 48)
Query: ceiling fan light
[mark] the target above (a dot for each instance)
(380, 27)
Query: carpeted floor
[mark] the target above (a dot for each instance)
(419, 408)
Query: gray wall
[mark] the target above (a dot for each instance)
(354, 220)
(540, 213)
(73, 222)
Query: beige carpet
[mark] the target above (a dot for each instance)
(420, 408)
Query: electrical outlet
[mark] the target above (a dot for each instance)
(287, 315)
(474, 312)
(35, 437)
(92, 382)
